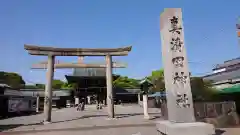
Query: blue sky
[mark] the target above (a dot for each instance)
(210, 32)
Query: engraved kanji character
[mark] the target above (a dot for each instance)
(176, 44)
(178, 61)
(180, 78)
(182, 100)
(174, 25)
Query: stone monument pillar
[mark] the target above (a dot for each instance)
(181, 120)
(48, 89)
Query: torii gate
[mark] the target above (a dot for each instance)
(51, 52)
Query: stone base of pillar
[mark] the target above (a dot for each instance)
(46, 122)
(195, 128)
(147, 117)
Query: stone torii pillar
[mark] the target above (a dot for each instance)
(79, 61)
(48, 89)
(110, 100)
(181, 119)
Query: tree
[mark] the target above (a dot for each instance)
(157, 74)
(157, 79)
(12, 79)
(40, 86)
(30, 87)
(125, 82)
(201, 89)
(69, 86)
(36, 86)
(57, 84)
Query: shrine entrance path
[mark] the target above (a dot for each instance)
(129, 120)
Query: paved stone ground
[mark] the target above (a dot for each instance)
(89, 121)
(129, 121)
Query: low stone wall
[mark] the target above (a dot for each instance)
(221, 114)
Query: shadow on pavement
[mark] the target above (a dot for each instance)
(12, 126)
(117, 116)
(155, 117)
(8, 127)
(19, 115)
(219, 132)
(81, 128)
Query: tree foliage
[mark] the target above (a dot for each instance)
(157, 79)
(36, 86)
(57, 84)
(12, 79)
(157, 74)
(125, 82)
(68, 86)
(201, 89)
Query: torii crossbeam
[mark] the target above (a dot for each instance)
(77, 65)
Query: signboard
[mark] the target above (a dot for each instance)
(17, 105)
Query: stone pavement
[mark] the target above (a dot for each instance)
(89, 121)
(129, 121)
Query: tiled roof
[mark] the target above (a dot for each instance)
(228, 63)
(89, 72)
(4, 85)
(238, 26)
(227, 75)
(33, 92)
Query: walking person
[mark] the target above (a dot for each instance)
(98, 102)
(79, 106)
(82, 104)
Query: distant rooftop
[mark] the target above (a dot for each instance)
(228, 63)
(89, 72)
(238, 26)
(226, 75)
(40, 92)
(4, 85)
